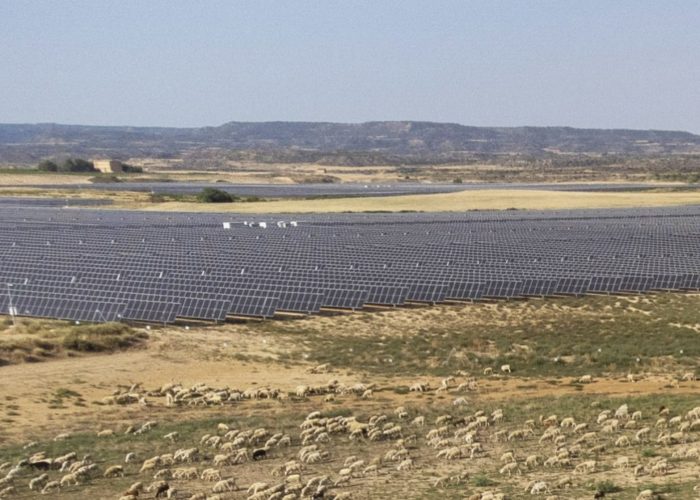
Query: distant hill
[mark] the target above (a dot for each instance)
(298, 140)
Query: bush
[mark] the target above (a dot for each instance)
(211, 195)
(48, 166)
(131, 169)
(482, 481)
(105, 179)
(607, 486)
(76, 165)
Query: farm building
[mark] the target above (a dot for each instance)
(109, 166)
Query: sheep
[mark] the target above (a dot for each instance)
(622, 441)
(440, 482)
(162, 489)
(532, 461)
(150, 464)
(585, 467)
(70, 478)
(51, 487)
(130, 457)
(186, 473)
(38, 482)
(256, 487)
(622, 411)
(6, 492)
(539, 487)
(642, 434)
(505, 369)
(622, 462)
(585, 379)
(510, 468)
(114, 471)
(210, 475)
(405, 465)
(225, 486)
(134, 489)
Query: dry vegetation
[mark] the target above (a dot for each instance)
(31, 340)
(574, 358)
(487, 199)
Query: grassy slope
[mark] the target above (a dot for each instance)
(439, 340)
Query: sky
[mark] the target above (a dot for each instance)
(593, 63)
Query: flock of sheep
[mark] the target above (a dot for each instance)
(335, 457)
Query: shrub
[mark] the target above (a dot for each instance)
(607, 486)
(131, 169)
(48, 166)
(482, 481)
(211, 195)
(76, 165)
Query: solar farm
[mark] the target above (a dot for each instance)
(97, 266)
(446, 355)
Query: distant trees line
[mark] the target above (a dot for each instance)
(78, 165)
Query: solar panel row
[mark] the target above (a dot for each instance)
(102, 265)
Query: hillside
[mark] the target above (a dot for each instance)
(299, 141)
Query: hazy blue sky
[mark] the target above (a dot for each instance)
(583, 63)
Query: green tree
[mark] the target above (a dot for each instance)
(48, 166)
(76, 165)
(211, 195)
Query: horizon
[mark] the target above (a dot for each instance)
(348, 123)
(626, 65)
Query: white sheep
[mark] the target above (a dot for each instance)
(114, 471)
(37, 483)
(225, 486)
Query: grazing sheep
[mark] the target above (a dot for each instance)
(585, 467)
(51, 487)
(585, 379)
(6, 492)
(162, 490)
(114, 471)
(70, 479)
(150, 464)
(225, 486)
(186, 473)
(405, 465)
(210, 475)
(505, 369)
(509, 469)
(130, 457)
(539, 488)
(134, 489)
(37, 483)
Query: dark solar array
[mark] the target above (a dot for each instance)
(340, 189)
(101, 265)
(51, 202)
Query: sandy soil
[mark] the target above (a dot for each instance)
(179, 356)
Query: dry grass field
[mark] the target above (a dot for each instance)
(487, 199)
(600, 396)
